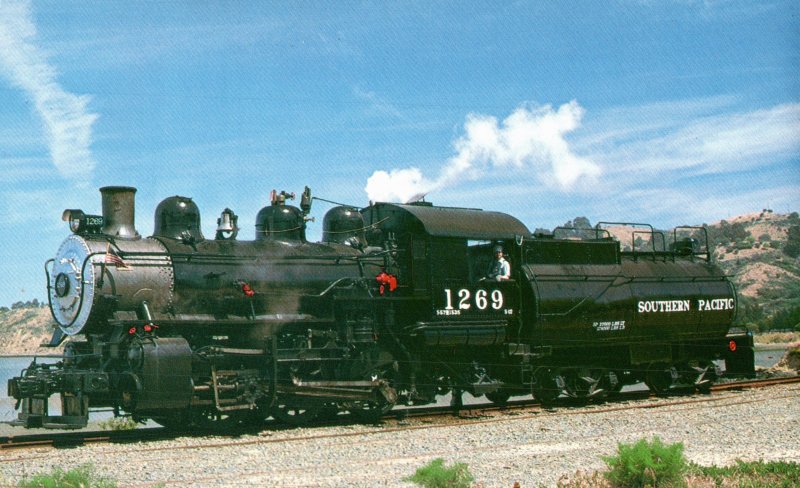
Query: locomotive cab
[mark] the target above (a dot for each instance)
(443, 254)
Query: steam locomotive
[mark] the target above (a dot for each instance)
(393, 306)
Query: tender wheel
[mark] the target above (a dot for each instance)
(704, 377)
(611, 383)
(583, 383)
(546, 387)
(660, 379)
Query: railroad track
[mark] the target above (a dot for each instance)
(396, 420)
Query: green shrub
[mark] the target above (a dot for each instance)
(753, 474)
(647, 464)
(80, 477)
(436, 475)
(118, 423)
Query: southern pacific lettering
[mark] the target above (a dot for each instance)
(716, 304)
(668, 306)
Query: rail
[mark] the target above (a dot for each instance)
(466, 412)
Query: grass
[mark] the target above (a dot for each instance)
(118, 423)
(436, 475)
(756, 474)
(777, 337)
(654, 464)
(646, 464)
(775, 474)
(80, 477)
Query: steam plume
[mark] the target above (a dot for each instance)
(66, 120)
(529, 138)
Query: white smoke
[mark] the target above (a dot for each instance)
(66, 120)
(529, 138)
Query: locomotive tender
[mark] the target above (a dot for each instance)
(393, 306)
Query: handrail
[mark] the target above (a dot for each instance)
(576, 230)
(698, 228)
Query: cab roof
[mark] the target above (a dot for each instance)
(470, 223)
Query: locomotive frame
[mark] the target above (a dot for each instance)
(393, 306)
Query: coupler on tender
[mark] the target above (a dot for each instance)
(739, 354)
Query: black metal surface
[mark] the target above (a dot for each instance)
(739, 354)
(344, 225)
(178, 218)
(188, 331)
(164, 375)
(445, 221)
(119, 212)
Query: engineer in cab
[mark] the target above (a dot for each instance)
(500, 269)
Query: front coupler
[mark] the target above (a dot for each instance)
(38, 382)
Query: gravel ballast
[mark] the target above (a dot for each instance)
(534, 449)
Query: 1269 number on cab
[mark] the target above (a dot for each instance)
(473, 301)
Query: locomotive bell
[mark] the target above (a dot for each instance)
(227, 227)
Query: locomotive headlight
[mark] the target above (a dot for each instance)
(74, 218)
(81, 223)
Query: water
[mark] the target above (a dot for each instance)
(770, 356)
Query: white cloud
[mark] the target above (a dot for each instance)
(712, 141)
(66, 119)
(676, 206)
(530, 139)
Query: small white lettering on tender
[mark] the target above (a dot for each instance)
(609, 325)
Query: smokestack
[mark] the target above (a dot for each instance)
(119, 211)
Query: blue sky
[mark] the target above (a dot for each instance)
(674, 112)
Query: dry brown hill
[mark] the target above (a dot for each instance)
(758, 251)
(23, 329)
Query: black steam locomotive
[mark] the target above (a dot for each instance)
(393, 306)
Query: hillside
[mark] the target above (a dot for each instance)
(759, 251)
(23, 328)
